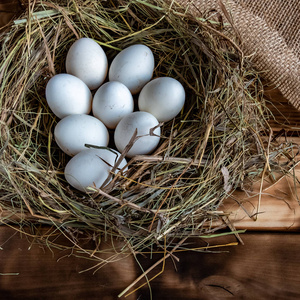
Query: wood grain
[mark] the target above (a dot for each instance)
(277, 209)
(284, 114)
(266, 267)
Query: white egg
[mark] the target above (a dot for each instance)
(68, 95)
(74, 131)
(163, 97)
(112, 102)
(144, 123)
(133, 66)
(87, 61)
(91, 167)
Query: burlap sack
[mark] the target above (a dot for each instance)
(269, 32)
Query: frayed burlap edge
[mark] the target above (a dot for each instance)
(269, 40)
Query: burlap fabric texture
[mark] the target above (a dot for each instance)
(269, 31)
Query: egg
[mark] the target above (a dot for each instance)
(91, 167)
(163, 97)
(111, 103)
(74, 131)
(67, 95)
(144, 123)
(133, 66)
(87, 61)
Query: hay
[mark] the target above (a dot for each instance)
(220, 142)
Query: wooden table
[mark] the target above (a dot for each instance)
(267, 266)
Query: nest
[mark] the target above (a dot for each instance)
(221, 141)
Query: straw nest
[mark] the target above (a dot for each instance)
(221, 141)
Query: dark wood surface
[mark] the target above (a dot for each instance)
(267, 266)
(8, 10)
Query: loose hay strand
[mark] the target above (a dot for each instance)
(214, 146)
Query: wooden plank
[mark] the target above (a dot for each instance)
(32, 271)
(8, 10)
(277, 209)
(285, 115)
(266, 267)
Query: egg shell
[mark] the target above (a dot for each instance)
(91, 167)
(87, 61)
(144, 123)
(68, 95)
(163, 97)
(74, 131)
(112, 102)
(133, 66)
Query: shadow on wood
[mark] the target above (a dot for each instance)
(266, 267)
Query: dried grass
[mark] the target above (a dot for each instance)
(220, 142)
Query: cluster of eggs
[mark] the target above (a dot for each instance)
(86, 118)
